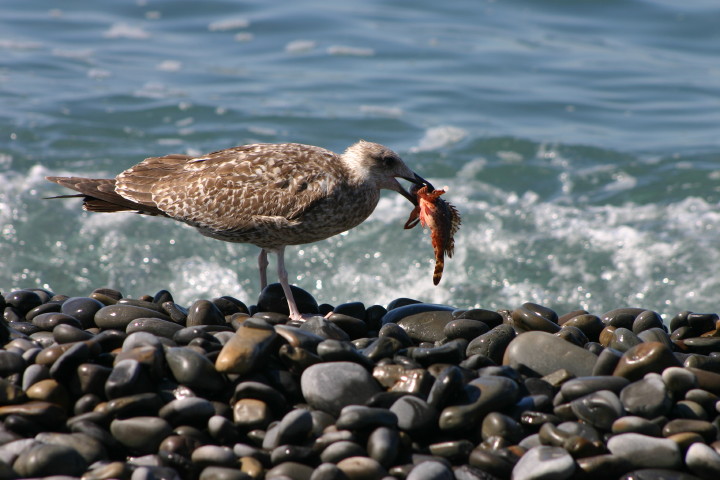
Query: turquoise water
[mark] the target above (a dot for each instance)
(579, 140)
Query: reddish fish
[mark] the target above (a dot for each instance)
(443, 220)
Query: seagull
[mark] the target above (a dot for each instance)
(266, 194)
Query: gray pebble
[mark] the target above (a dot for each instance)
(431, 470)
(642, 451)
(528, 352)
(648, 397)
(334, 385)
(703, 461)
(544, 462)
(141, 434)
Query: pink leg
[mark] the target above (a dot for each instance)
(262, 265)
(283, 276)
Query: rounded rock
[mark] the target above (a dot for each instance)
(82, 308)
(361, 468)
(648, 397)
(142, 434)
(544, 462)
(703, 461)
(333, 385)
(117, 317)
(430, 470)
(643, 451)
(529, 351)
(44, 460)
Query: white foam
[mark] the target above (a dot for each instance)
(343, 50)
(169, 66)
(196, 277)
(300, 46)
(123, 30)
(229, 24)
(439, 137)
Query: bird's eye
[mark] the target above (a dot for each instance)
(387, 161)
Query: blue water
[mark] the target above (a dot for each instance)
(579, 140)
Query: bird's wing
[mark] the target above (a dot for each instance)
(237, 187)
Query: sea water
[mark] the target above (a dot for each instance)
(579, 140)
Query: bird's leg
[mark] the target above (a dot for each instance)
(262, 265)
(283, 277)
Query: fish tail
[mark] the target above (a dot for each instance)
(439, 265)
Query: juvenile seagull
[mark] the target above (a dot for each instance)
(270, 195)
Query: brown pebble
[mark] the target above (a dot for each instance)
(645, 358)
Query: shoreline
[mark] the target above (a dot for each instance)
(110, 387)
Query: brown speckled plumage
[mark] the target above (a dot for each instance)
(270, 195)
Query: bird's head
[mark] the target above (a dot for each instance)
(375, 163)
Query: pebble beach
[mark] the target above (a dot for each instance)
(104, 386)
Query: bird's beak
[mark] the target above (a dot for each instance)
(417, 180)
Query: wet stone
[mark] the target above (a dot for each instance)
(361, 468)
(134, 405)
(447, 388)
(599, 409)
(272, 299)
(645, 358)
(120, 315)
(325, 329)
(204, 312)
(633, 424)
(338, 451)
(354, 327)
(193, 369)
(251, 413)
(155, 326)
(291, 470)
(642, 451)
(22, 300)
(192, 411)
(579, 387)
(525, 319)
(680, 425)
(127, 378)
(527, 352)
(431, 470)
(11, 363)
(382, 445)
(294, 428)
(621, 317)
(338, 351)
(452, 352)
(544, 462)
(590, 325)
(223, 473)
(492, 344)
(83, 309)
(703, 461)
(64, 333)
(357, 417)
(383, 347)
(647, 320)
(48, 321)
(496, 424)
(141, 434)
(647, 397)
(465, 328)
(428, 326)
(702, 322)
(247, 349)
(334, 385)
(486, 394)
(623, 339)
(214, 455)
(44, 460)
